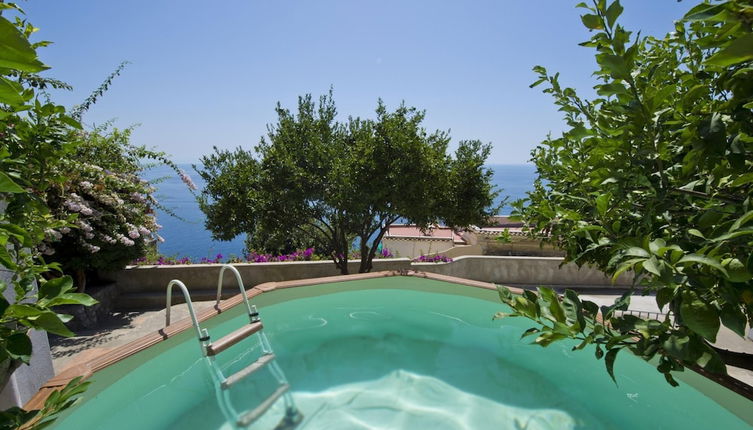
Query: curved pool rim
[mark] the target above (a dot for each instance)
(699, 379)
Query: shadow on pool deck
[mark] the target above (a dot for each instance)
(120, 328)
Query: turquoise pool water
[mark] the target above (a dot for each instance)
(394, 353)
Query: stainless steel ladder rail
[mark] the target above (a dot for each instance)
(240, 285)
(267, 359)
(201, 334)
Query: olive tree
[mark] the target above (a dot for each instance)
(328, 183)
(654, 175)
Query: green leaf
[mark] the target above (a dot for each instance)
(703, 12)
(736, 270)
(573, 308)
(613, 12)
(615, 65)
(737, 233)
(526, 307)
(652, 265)
(8, 186)
(699, 316)
(505, 295)
(664, 296)
(701, 259)
(609, 360)
(602, 203)
(11, 93)
(19, 347)
(635, 251)
(15, 50)
(696, 233)
(677, 346)
(73, 299)
(22, 311)
(49, 321)
(739, 50)
(6, 259)
(625, 266)
(55, 287)
(656, 245)
(551, 303)
(747, 217)
(598, 351)
(734, 319)
(586, 341)
(592, 22)
(547, 338)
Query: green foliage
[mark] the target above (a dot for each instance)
(34, 138)
(326, 183)
(654, 176)
(58, 401)
(79, 110)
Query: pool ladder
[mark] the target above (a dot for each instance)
(223, 383)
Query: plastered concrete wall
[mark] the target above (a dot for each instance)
(522, 271)
(499, 269)
(204, 276)
(27, 379)
(462, 250)
(412, 248)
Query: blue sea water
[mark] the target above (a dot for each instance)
(188, 237)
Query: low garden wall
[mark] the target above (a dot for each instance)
(523, 271)
(144, 286)
(204, 276)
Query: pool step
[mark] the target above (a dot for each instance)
(231, 339)
(247, 371)
(254, 414)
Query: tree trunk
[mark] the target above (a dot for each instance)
(340, 262)
(80, 280)
(365, 261)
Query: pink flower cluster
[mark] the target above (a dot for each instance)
(433, 259)
(295, 256)
(301, 255)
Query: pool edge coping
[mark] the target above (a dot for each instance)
(112, 356)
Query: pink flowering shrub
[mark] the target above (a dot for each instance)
(109, 208)
(432, 259)
(384, 253)
(253, 257)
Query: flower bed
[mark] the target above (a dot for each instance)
(432, 259)
(254, 257)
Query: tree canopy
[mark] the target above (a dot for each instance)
(326, 182)
(654, 175)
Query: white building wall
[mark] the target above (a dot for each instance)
(415, 247)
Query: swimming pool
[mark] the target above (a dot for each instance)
(399, 352)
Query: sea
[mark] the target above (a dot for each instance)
(186, 236)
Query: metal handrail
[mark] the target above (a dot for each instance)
(187, 297)
(237, 274)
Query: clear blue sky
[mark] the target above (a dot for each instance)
(209, 73)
